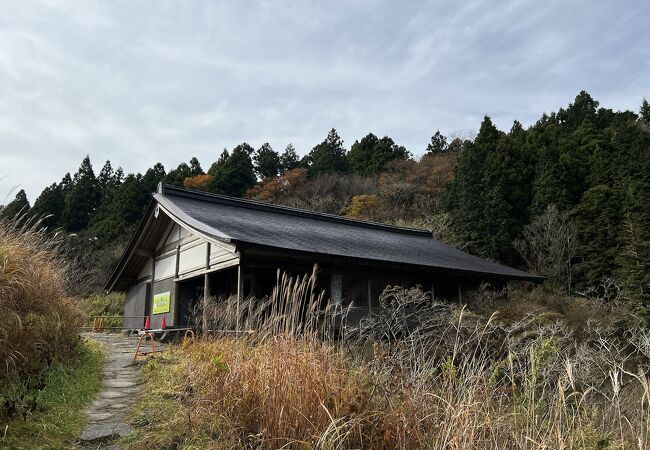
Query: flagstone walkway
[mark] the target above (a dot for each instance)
(107, 414)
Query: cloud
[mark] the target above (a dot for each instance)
(141, 82)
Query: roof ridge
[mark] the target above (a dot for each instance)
(288, 210)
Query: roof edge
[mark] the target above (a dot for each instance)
(166, 189)
(130, 247)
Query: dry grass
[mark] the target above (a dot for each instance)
(450, 379)
(38, 324)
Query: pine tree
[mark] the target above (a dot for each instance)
(289, 159)
(17, 209)
(328, 156)
(267, 161)
(233, 172)
(438, 144)
(82, 200)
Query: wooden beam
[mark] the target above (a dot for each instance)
(144, 252)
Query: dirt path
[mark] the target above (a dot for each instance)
(107, 414)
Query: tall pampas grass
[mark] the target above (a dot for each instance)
(294, 308)
(415, 374)
(38, 323)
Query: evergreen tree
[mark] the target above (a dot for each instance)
(124, 210)
(267, 161)
(597, 220)
(108, 180)
(127, 205)
(195, 167)
(370, 155)
(328, 156)
(633, 259)
(177, 176)
(152, 177)
(82, 200)
(233, 172)
(17, 208)
(468, 193)
(508, 184)
(645, 111)
(438, 144)
(289, 159)
(48, 207)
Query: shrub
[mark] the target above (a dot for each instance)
(109, 306)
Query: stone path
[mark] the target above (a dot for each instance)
(107, 414)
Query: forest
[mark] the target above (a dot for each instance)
(565, 198)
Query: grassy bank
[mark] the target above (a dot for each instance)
(56, 396)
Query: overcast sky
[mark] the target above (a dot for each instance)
(147, 81)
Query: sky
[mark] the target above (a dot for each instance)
(148, 81)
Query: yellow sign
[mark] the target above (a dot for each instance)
(161, 303)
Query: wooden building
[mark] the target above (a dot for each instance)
(190, 243)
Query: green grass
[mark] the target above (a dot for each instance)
(58, 418)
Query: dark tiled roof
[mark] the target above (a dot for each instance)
(236, 220)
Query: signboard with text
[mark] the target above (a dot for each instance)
(161, 303)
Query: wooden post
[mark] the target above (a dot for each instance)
(178, 260)
(369, 288)
(240, 291)
(153, 280)
(460, 295)
(206, 301)
(206, 291)
(433, 293)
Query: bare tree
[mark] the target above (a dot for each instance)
(548, 246)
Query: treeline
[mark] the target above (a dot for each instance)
(584, 170)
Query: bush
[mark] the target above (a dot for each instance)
(108, 306)
(39, 325)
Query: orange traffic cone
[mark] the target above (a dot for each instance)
(163, 325)
(147, 323)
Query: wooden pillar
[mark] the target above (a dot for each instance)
(433, 292)
(153, 280)
(206, 291)
(178, 260)
(240, 291)
(369, 289)
(460, 295)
